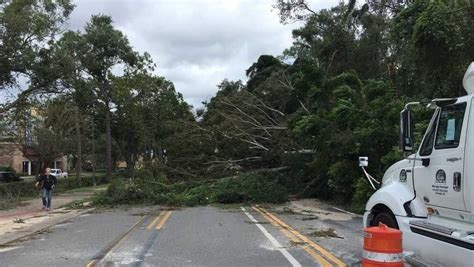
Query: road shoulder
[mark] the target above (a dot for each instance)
(37, 225)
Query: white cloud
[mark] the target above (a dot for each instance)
(197, 43)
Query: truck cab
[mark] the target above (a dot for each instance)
(429, 195)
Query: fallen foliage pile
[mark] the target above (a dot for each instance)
(256, 187)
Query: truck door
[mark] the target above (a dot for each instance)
(439, 168)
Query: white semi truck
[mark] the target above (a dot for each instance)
(429, 195)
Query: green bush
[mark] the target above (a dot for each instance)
(7, 169)
(20, 189)
(69, 183)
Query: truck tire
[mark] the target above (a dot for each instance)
(386, 218)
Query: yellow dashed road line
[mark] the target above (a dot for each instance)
(163, 221)
(150, 225)
(92, 263)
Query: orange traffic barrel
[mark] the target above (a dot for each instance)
(382, 246)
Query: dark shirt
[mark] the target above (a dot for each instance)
(48, 181)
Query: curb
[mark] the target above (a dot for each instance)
(348, 212)
(332, 207)
(35, 229)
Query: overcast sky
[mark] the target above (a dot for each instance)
(197, 43)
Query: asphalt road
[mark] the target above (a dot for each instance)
(202, 236)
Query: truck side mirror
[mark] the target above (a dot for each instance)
(406, 130)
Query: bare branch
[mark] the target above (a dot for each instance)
(267, 116)
(22, 97)
(287, 84)
(265, 105)
(233, 160)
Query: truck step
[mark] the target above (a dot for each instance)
(433, 227)
(417, 261)
(445, 234)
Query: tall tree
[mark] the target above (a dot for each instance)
(104, 53)
(293, 10)
(27, 30)
(432, 43)
(149, 114)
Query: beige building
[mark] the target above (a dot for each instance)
(24, 162)
(16, 151)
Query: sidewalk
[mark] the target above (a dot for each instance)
(29, 218)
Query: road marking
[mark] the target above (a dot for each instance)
(318, 248)
(275, 243)
(296, 240)
(154, 221)
(92, 263)
(110, 247)
(165, 218)
(151, 239)
(305, 239)
(5, 249)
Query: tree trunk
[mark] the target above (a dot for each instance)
(128, 160)
(79, 145)
(108, 139)
(93, 153)
(134, 160)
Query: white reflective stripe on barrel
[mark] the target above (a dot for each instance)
(382, 257)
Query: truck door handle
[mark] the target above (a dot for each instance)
(457, 181)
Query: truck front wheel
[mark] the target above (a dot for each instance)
(386, 218)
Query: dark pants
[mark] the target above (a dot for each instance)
(47, 194)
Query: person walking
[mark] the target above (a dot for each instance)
(47, 183)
